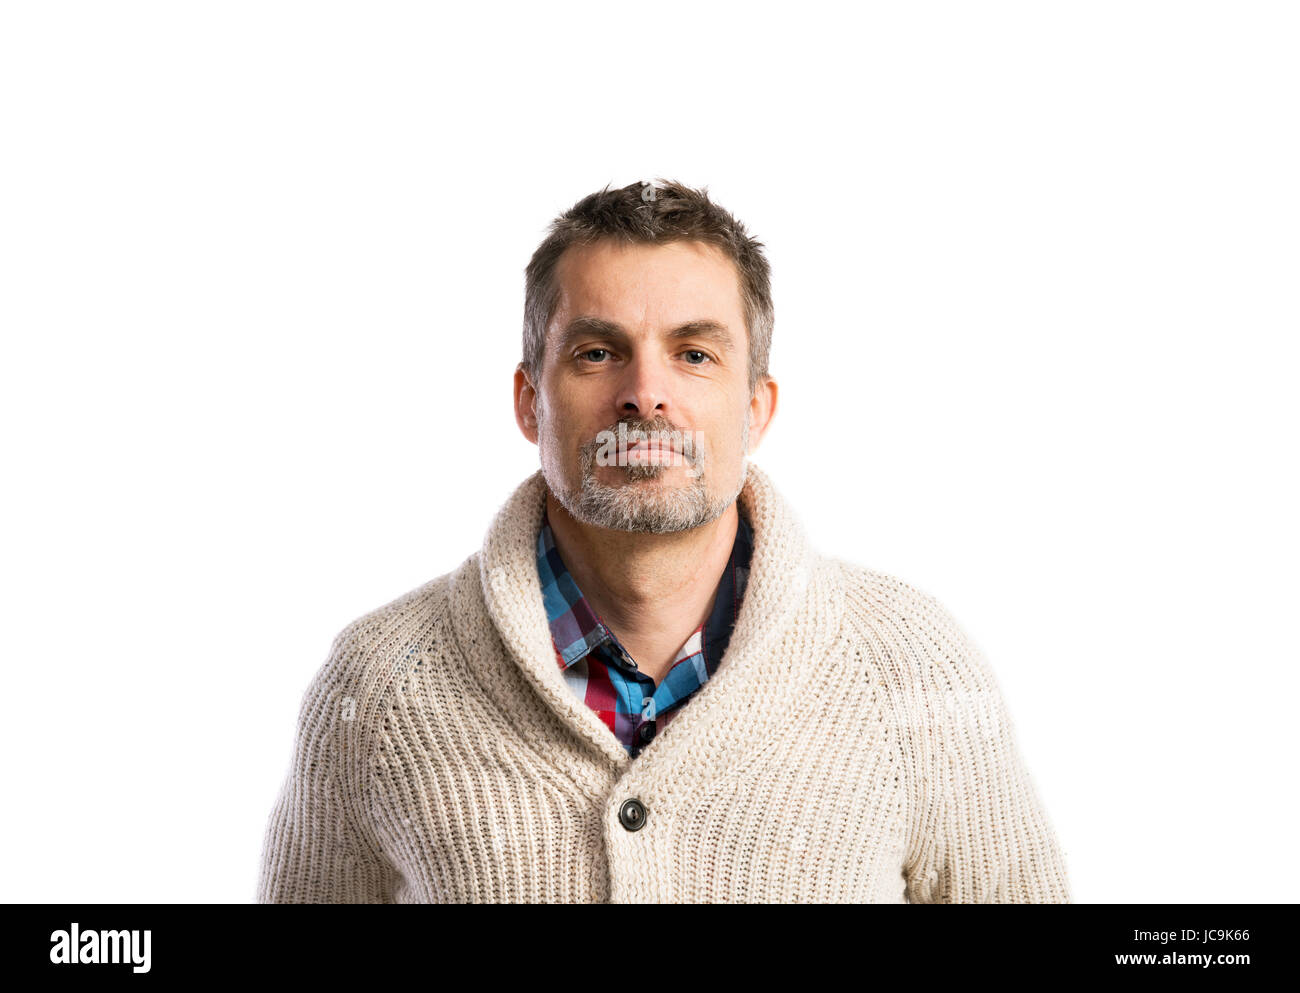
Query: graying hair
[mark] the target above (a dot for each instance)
(677, 213)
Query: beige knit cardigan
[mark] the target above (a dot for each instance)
(852, 746)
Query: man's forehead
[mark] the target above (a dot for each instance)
(659, 281)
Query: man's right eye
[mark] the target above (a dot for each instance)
(594, 351)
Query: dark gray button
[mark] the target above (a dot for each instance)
(632, 814)
(646, 731)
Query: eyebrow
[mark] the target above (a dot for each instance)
(582, 326)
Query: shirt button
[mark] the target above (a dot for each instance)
(646, 731)
(632, 814)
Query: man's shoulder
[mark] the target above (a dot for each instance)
(413, 611)
(380, 645)
(909, 626)
(871, 593)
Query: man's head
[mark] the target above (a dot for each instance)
(647, 309)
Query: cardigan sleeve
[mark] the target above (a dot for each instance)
(983, 835)
(316, 847)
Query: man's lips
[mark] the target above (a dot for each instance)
(644, 451)
(661, 451)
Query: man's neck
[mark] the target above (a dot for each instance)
(652, 590)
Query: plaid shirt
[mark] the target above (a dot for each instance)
(601, 672)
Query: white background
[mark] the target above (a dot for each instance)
(1035, 277)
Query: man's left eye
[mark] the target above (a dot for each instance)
(693, 352)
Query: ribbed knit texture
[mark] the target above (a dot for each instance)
(852, 746)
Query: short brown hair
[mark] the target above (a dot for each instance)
(676, 213)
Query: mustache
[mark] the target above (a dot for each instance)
(625, 433)
(640, 430)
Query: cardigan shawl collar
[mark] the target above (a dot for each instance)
(498, 587)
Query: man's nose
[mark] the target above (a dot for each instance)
(644, 390)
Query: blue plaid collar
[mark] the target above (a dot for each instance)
(577, 630)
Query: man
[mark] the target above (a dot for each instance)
(646, 686)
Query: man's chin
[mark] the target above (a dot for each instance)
(663, 474)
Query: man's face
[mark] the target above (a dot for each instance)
(649, 338)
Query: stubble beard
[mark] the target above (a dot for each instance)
(653, 509)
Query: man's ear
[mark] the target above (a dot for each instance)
(525, 404)
(762, 408)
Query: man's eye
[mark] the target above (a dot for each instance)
(594, 351)
(695, 352)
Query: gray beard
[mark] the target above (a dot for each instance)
(660, 510)
(652, 510)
